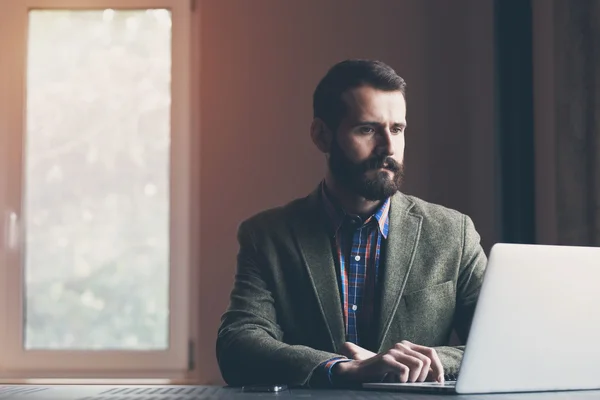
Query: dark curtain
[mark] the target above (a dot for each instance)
(514, 119)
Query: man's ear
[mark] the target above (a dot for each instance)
(321, 135)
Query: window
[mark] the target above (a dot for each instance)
(94, 187)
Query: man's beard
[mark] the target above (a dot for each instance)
(353, 176)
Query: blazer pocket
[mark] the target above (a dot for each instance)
(430, 313)
(430, 293)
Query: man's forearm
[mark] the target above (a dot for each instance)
(250, 356)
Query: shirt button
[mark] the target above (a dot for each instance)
(357, 258)
(354, 307)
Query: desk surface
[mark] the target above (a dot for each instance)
(162, 392)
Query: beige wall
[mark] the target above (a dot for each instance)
(567, 139)
(260, 61)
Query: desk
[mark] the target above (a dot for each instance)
(174, 392)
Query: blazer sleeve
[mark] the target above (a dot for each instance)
(470, 278)
(250, 347)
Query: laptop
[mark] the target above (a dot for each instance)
(536, 325)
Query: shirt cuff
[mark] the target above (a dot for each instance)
(328, 367)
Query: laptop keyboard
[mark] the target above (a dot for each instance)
(450, 377)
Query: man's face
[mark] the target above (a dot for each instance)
(367, 151)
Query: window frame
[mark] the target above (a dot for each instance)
(15, 361)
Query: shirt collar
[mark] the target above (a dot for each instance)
(336, 214)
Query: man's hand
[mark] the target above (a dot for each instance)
(355, 352)
(406, 362)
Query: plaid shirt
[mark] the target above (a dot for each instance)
(357, 244)
(358, 247)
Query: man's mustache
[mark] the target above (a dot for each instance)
(381, 162)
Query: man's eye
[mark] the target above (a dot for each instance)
(366, 129)
(397, 130)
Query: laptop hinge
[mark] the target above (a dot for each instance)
(191, 355)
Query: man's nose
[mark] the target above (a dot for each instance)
(386, 143)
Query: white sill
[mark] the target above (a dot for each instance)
(94, 381)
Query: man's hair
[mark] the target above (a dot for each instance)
(349, 74)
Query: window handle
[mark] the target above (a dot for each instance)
(12, 231)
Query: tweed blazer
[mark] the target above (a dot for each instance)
(285, 313)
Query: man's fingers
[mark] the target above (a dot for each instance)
(433, 377)
(393, 367)
(437, 373)
(355, 352)
(406, 362)
(420, 370)
(426, 365)
(414, 361)
(347, 350)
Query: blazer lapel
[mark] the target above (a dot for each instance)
(316, 248)
(404, 231)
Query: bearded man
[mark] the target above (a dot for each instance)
(357, 282)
